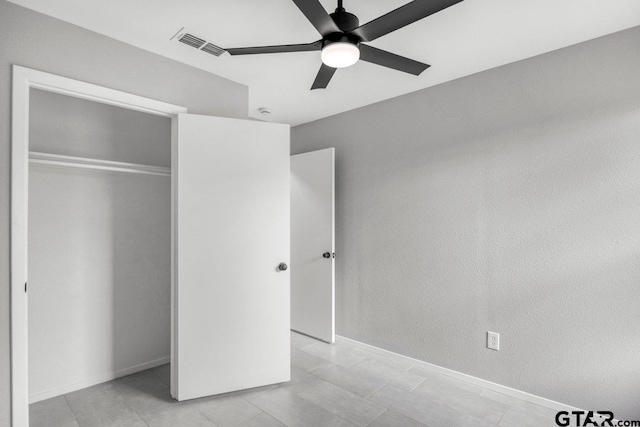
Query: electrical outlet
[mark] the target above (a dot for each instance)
(493, 340)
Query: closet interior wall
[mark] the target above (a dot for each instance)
(99, 245)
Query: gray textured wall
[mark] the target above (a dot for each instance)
(506, 201)
(36, 41)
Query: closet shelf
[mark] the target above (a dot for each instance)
(96, 164)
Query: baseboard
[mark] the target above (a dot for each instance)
(98, 379)
(512, 392)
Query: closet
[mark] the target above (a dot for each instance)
(99, 243)
(144, 239)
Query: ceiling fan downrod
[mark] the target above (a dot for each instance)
(345, 21)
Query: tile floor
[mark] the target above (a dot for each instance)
(332, 385)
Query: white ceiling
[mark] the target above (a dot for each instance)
(467, 38)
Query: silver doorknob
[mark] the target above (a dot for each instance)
(282, 266)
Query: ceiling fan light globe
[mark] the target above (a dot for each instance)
(340, 54)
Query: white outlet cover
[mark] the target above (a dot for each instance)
(493, 340)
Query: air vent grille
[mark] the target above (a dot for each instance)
(213, 49)
(192, 40)
(184, 36)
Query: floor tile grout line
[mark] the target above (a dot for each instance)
(126, 402)
(342, 388)
(375, 391)
(331, 420)
(315, 369)
(255, 416)
(398, 357)
(158, 376)
(347, 391)
(274, 417)
(367, 396)
(350, 349)
(332, 362)
(353, 349)
(206, 416)
(357, 363)
(268, 415)
(459, 418)
(387, 360)
(314, 373)
(134, 411)
(324, 358)
(418, 385)
(524, 408)
(443, 403)
(385, 411)
(413, 419)
(270, 388)
(64, 396)
(306, 346)
(340, 418)
(505, 413)
(252, 404)
(361, 397)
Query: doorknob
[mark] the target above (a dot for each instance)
(282, 266)
(326, 255)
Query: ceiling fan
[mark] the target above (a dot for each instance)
(342, 42)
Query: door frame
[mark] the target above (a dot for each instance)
(23, 80)
(332, 336)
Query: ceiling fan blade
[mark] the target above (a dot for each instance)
(276, 49)
(402, 16)
(323, 78)
(318, 16)
(391, 60)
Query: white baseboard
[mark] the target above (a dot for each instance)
(512, 392)
(98, 379)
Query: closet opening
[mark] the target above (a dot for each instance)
(99, 244)
(92, 236)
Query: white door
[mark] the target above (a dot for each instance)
(231, 301)
(312, 244)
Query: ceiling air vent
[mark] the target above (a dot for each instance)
(213, 49)
(183, 36)
(191, 40)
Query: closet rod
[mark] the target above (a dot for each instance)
(87, 163)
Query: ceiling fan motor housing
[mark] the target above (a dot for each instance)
(340, 38)
(344, 20)
(344, 40)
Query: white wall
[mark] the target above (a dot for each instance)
(506, 201)
(99, 246)
(37, 41)
(74, 127)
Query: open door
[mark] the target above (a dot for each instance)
(312, 244)
(231, 299)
